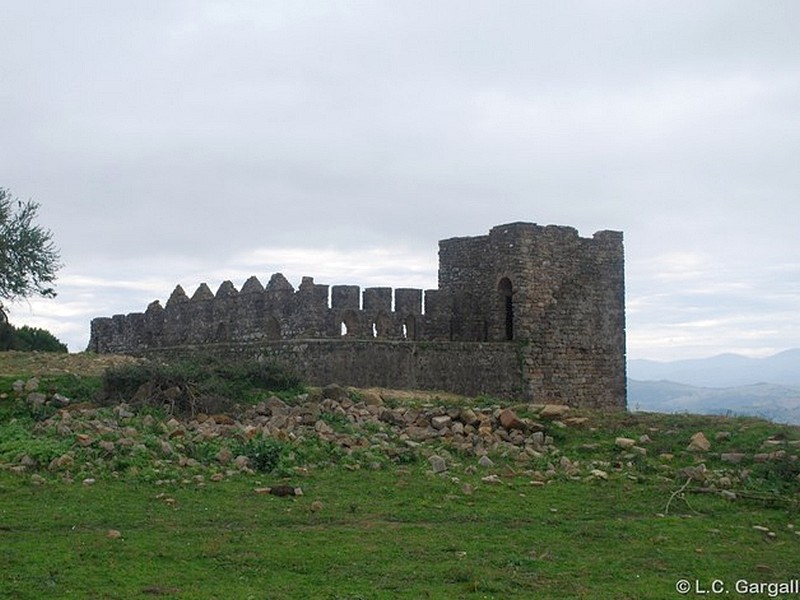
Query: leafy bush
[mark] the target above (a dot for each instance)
(779, 475)
(264, 453)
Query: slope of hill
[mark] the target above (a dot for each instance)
(774, 402)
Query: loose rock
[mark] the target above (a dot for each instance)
(553, 411)
(625, 443)
(699, 443)
(437, 463)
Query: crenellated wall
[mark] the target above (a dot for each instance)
(275, 312)
(529, 311)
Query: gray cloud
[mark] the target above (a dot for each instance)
(170, 140)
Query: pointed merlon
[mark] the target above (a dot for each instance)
(226, 290)
(178, 296)
(154, 307)
(279, 283)
(252, 286)
(203, 292)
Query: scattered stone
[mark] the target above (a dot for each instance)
(275, 406)
(113, 534)
(83, 439)
(224, 456)
(372, 398)
(728, 495)
(599, 474)
(699, 443)
(625, 443)
(441, 422)
(32, 384)
(437, 463)
(89, 481)
(323, 428)
(576, 421)
(698, 473)
(334, 391)
(37, 479)
(420, 434)
(733, 458)
(509, 419)
(37, 399)
(553, 411)
(60, 401)
(761, 528)
(722, 436)
(493, 479)
(485, 461)
(65, 460)
(217, 477)
(468, 417)
(645, 439)
(222, 419)
(316, 506)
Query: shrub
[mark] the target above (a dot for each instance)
(264, 453)
(194, 384)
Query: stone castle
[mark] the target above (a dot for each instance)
(528, 311)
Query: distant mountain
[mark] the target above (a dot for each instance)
(722, 371)
(774, 402)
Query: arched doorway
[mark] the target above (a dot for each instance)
(506, 291)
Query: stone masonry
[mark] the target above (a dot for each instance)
(527, 311)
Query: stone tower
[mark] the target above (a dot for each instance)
(559, 296)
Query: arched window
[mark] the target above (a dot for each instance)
(506, 291)
(349, 324)
(410, 328)
(382, 326)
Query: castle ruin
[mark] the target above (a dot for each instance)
(528, 311)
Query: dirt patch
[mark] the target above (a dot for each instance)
(25, 364)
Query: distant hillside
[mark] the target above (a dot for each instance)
(775, 402)
(722, 371)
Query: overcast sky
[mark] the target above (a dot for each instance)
(181, 142)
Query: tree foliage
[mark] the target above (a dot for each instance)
(28, 257)
(28, 339)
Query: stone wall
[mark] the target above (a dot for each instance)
(528, 311)
(456, 367)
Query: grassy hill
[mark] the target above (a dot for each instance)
(206, 483)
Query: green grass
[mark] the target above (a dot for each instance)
(376, 524)
(397, 533)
